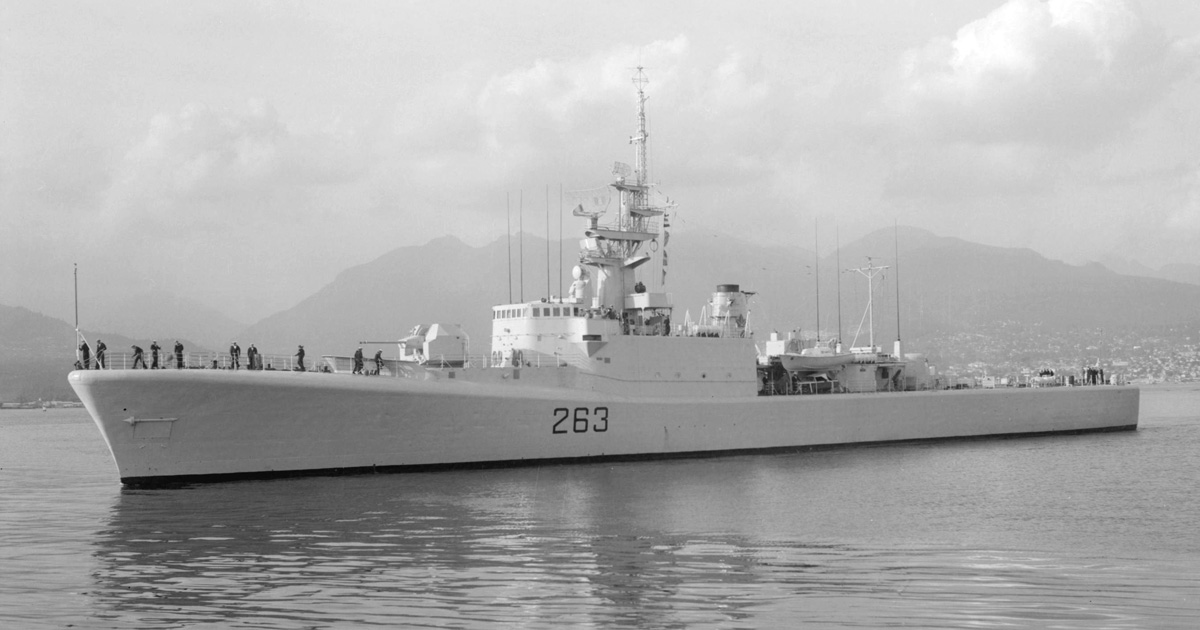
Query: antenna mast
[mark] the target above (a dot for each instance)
(641, 167)
(613, 248)
(896, 235)
(508, 238)
(560, 240)
(870, 271)
(521, 241)
(817, 279)
(838, 260)
(76, 313)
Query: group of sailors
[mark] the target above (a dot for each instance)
(85, 361)
(254, 360)
(358, 363)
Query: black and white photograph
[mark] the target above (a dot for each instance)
(630, 314)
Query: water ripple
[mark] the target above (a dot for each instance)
(970, 535)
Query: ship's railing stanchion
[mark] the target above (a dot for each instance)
(209, 360)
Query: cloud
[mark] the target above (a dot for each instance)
(566, 120)
(457, 146)
(205, 164)
(1063, 72)
(702, 104)
(543, 117)
(1023, 104)
(448, 151)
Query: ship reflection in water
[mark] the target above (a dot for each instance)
(841, 538)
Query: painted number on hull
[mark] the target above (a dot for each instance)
(580, 420)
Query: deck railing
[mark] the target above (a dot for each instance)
(203, 360)
(324, 363)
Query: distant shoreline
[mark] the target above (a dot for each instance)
(51, 404)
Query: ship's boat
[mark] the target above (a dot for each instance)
(803, 362)
(821, 357)
(602, 373)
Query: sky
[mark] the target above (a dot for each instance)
(243, 153)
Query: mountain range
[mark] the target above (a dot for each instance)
(945, 286)
(160, 314)
(38, 352)
(1177, 272)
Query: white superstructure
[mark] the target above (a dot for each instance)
(602, 373)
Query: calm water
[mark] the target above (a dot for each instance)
(1098, 531)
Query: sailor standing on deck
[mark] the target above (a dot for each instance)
(252, 357)
(100, 349)
(138, 357)
(235, 355)
(300, 359)
(358, 362)
(178, 355)
(154, 348)
(85, 353)
(378, 362)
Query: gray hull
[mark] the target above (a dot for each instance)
(197, 425)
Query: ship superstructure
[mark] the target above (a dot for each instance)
(608, 312)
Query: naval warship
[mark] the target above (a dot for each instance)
(601, 373)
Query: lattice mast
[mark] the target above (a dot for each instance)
(641, 167)
(614, 249)
(636, 212)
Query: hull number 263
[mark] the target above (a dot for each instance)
(580, 420)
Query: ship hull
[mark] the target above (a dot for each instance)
(202, 425)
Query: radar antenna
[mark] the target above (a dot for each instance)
(589, 203)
